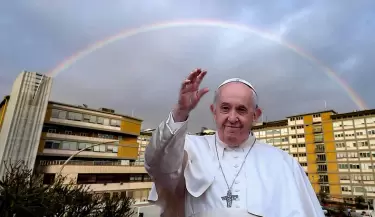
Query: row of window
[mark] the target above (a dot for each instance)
(296, 118)
(299, 155)
(357, 166)
(300, 145)
(355, 155)
(284, 131)
(105, 178)
(96, 135)
(368, 189)
(75, 146)
(357, 177)
(359, 133)
(355, 144)
(356, 122)
(76, 116)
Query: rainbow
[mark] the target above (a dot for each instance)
(213, 24)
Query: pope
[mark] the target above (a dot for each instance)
(227, 174)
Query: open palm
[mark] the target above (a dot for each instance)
(190, 94)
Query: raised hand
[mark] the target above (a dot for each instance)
(190, 95)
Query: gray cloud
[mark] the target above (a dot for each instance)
(143, 73)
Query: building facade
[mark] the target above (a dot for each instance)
(143, 141)
(108, 148)
(22, 115)
(45, 134)
(337, 151)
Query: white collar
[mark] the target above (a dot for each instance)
(244, 147)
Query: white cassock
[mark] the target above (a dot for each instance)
(270, 184)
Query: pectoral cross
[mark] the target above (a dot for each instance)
(229, 198)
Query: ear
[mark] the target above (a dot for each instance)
(212, 108)
(257, 114)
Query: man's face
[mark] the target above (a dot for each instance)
(234, 112)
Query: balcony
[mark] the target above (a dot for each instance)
(77, 138)
(318, 130)
(318, 160)
(321, 171)
(82, 167)
(320, 150)
(119, 186)
(87, 125)
(318, 140)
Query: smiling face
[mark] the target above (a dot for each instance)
(234, 112)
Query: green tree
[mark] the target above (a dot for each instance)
(359, 201)
(323, 197)
(117, 206)
(23, 193)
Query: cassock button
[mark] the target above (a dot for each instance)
(237, 182)
(237, 190)
(235, 166)
(235, 156)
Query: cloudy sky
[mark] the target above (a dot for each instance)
(142, 73)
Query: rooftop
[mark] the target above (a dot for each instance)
(313, 113)
(84, 107)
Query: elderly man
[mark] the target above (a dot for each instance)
(227, 174)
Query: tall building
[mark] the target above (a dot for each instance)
(143, 141)
(337, 151)
(21, 119)
(45, 134)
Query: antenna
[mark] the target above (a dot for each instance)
(325, 104)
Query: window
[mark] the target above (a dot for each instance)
(65, 145)
(67, 132)
(51, 130)
(55, 113)
(73, 146)
(321, 157)
(316, 115)
(322, 168)
(304, 164)
(96, 148)
(115, 123)
(324, 189)
(106, 121)
(48, 144)
(62, 114)
(340, 145)
(364, 154)
(343, 166)
(103, 148)
(100, 120)
(93, 119)
(323, 178)
(81, 145)
(86, 118)
(78, 117)
(71, 116)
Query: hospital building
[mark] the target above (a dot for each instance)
(337, 151)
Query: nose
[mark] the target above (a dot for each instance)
(232, 118)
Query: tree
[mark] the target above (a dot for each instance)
(23, 193)
(359, 201)
(323, 197)
(117, 206)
